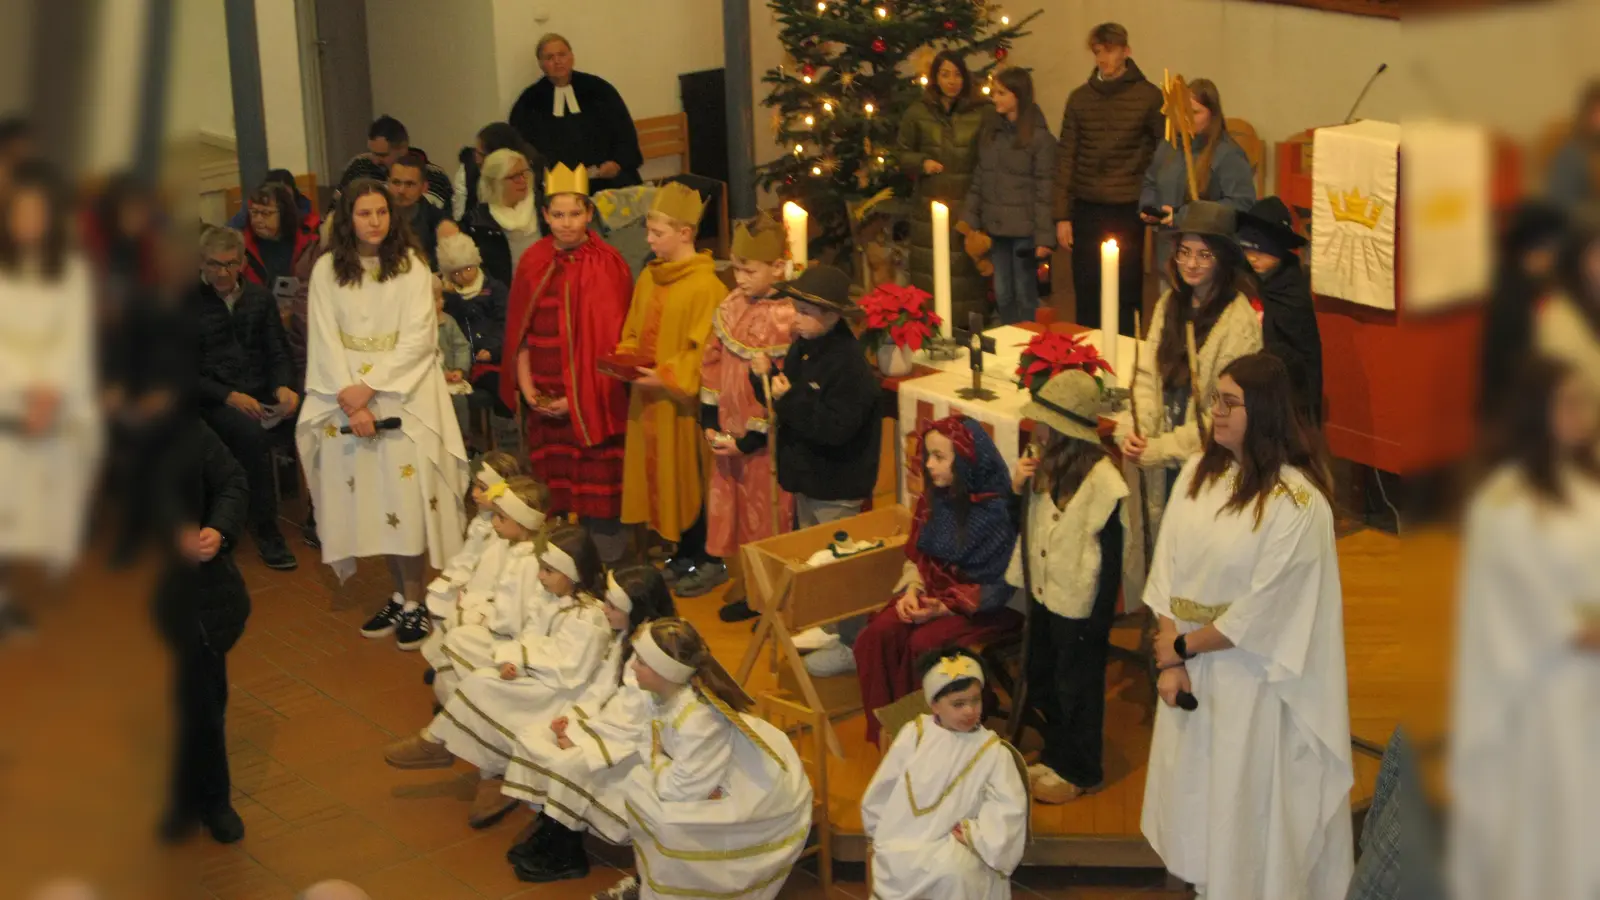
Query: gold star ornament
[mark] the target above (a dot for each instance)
(407, 470)
(331, 430)
(394, 521)
(433, 503)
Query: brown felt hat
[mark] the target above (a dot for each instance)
(821, 285)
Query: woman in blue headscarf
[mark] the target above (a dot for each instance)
(953, 590)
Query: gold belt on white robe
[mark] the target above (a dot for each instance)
(381, 343)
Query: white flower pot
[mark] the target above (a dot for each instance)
(894, 361)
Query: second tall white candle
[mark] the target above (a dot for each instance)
(941, 266)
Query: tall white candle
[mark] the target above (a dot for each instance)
(1109, 326)
(941, 266)
(795, 224)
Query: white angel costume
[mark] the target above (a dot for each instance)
(581, 787)
(557, 650)
(1248, 796)
(445, 592)
(399, 493)
(741, 844)
(1526, 805)
(47, 341)
(489, 610)
(931, 780)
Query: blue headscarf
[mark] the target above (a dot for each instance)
(980, 552)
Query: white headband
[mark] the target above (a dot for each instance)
(512, 505)
(488, 477)
(616, 596)
(947, 672)
(561, 561)
(659, 662)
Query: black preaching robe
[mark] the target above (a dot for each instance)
(601, 132)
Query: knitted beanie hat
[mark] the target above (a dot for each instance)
(456, 252)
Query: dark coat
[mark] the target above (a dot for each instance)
(1011, 193)
(1289, 331)
(828, 425)
(1109, 131)
(493, 247)
(203, 605)
(483, 318)
(602, 132)
(440, 190)
(263, 266)
(928, 131)
(426, 228)
(244, 350)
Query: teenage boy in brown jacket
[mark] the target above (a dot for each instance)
(1109, 132)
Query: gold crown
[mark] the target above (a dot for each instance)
(1352, 207)
(562, 180)
(761, 241)
(679, 201)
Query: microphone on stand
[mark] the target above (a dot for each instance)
(1382, 67)
(388, 424)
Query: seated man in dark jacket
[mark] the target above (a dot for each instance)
(1288, 320)
(244, 374)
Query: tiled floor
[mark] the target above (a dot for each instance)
(312, 705)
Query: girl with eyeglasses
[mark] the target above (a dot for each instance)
(1209, 275)
(1247, 795)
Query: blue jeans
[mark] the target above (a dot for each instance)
(1016, 279)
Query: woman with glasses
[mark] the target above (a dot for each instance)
(1247, 795)
(505, 223)
(1209, 276)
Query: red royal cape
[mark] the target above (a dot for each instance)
(602, 288)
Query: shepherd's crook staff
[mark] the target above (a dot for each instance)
(772, 445)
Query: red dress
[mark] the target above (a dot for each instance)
(566, 309)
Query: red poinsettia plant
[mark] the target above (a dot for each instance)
(1048, 355)
(900, 314)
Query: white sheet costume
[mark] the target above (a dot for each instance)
(1248, 797)
(489, 611)
(1526, 808)
(932, 779)
(444, 592)
(47, 340)
(399, 493)
(557, 650)
(741, 844)
(581, 787)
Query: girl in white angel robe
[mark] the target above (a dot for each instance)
(1525, 811)
(574, 768)
(1248, 795)
(444, 592)
(47, 388)
(371, 345)
(491, 605)
(947, 810)
(722, 808)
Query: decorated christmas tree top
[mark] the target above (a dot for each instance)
(854, 68)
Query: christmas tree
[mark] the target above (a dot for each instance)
(854, 68)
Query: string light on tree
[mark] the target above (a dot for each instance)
(869, 109)
(810, 121)
(883, 12)
(827, 106)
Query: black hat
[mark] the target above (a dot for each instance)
(1268, 227)
(821, 285)
(1206, 217)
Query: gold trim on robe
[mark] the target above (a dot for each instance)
(1199, 613)
(381, 343)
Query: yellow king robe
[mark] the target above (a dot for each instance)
(663, 478)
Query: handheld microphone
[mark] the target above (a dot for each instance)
(1186, 701)
(1382, 67)
(388, 424)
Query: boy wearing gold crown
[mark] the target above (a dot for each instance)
(947, 811)
(567, 305)
(669, 322)
(752, 321)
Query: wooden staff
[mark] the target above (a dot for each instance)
(1133, 380)
(772, 447)
(1194, 381)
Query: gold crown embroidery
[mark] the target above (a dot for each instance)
(1352, 207)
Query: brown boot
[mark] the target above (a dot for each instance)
(490, 806)
(417, 752)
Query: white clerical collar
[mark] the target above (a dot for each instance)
(565, 101)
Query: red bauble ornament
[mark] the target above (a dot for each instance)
(949, 24)
(879, 45)
(808, 69)
(1001, 53)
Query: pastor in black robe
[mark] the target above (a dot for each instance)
(600, 132)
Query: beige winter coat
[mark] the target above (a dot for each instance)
(1237, 333)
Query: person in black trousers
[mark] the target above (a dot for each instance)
(201, 607)
(244, 374)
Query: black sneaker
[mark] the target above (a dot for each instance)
(705, 578)
(562, 859)
(308, 533)
(274, 552)
(677, 567)
(386, 620)
(413, 629)
(737, 611)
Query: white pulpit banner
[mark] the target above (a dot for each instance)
(1449, 236)
(1355, 187)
